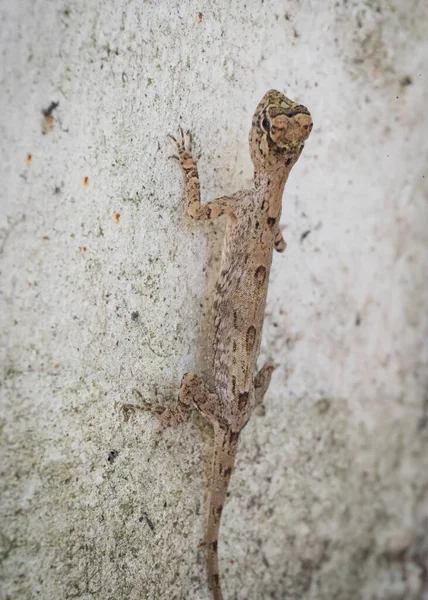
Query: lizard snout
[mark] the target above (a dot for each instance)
(294, 129)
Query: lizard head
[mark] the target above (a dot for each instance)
(278, 132)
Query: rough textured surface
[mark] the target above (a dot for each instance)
(103, 287)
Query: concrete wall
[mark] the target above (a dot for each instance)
(105, 290)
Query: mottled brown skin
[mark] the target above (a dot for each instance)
(279, 130)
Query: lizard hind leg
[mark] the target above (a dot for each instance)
(279, 243)
(193, 391)
(165, 416)
(262, 381)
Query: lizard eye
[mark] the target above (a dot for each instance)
(266, 124)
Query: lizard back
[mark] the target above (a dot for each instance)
(240, 298)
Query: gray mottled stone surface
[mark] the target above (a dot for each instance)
(329, 498)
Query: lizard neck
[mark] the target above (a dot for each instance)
(271, 185)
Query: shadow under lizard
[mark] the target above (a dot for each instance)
(278, 132)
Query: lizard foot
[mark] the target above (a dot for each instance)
(165, 416)
(185, 156)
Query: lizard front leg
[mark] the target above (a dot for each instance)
(196, 210)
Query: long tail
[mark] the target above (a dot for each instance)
(225, 444)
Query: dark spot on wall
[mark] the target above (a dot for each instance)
(112, 455)
(134, 315)
(357, 320)
(233, 385)
(271, 221)
(215, 579)
(148, 521)
(234, 347)
(46, 112)
(214, 545)
(235, 318)
(305, 235)
(405, 81)
(227, 472)
(48, 120)
(288, 162)
(260, 274)
(251, 338)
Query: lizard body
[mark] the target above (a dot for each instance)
(279, 130)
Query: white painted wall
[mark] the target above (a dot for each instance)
(329, 497)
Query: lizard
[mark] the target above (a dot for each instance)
(277, 135)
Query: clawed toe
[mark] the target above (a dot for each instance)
(127, 409)
(190, 138)
(131, 408)
(181, 143)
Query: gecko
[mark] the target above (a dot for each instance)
(277, 135)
